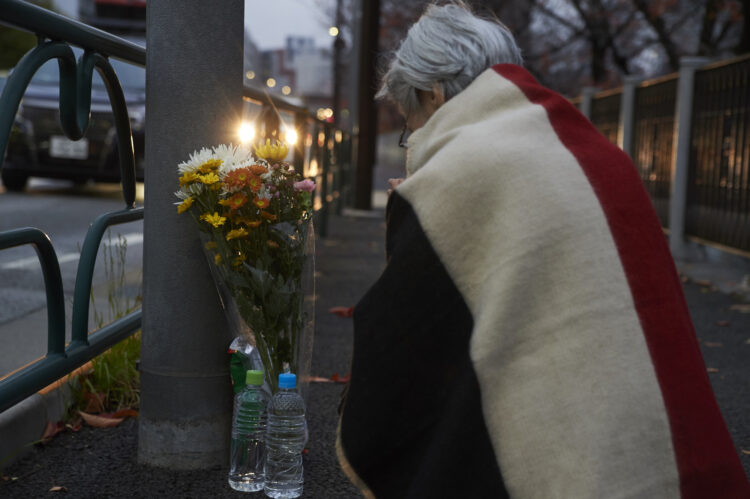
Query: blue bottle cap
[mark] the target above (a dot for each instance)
(287, 380)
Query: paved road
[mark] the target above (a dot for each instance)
(64, 212)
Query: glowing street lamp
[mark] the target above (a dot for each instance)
(246, 132)
(333, 31)
(271, 82)
(286, 90)
(291, 136)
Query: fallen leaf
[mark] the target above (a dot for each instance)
(712, 370)
(743, 308)
(703, 283)
(5, 478)
(52, 429)
(344, 312)
(319, 379)
(745, 451)
(713, 344)
(100, 421)
(58, 488)
(123, 413)
(340, 379)
(75, 427)
(722, 323)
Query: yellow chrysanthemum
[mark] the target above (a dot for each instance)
(211, 245)
(234, 234)
(214, 219)
(238, 260)
(209, 178)
(271, 152)
(188, 178)
(217, 259)
(209, 166)
(185, 205)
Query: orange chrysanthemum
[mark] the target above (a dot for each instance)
(237, 201)
(268, 216)
(237, 178)
(254, 183)
(261, 203)
(258, 169)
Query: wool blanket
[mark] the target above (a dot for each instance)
(528, 337)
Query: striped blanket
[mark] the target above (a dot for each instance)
(529, 337)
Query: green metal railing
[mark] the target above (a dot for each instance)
(321, 152)
(55, 34)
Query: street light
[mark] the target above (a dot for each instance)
(246, 132)
(333, 31)
(271, 82)
(286, 90)
(291, 136)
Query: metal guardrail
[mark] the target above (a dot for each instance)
(321, 151)
(718, 206)
(605, 113)
(55, 33)
(652, 140)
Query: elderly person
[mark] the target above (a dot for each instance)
(529, 336)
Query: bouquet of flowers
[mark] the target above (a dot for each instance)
(254, 213)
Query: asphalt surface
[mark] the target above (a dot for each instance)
(64, 212)
(101, 463)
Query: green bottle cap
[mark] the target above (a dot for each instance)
(254, 378)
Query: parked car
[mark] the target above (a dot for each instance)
(38, 147)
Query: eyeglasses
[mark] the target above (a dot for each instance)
(404, 137)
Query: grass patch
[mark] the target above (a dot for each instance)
(113, 382)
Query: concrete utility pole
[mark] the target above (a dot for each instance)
(194, 98)
(367, 115)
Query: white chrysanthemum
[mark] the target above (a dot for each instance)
(231, 157)
(182, 194)
(195, 161)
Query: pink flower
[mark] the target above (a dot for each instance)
(305, 185)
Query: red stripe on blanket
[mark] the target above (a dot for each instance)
(707, 462)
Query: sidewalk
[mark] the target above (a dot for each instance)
(98, 463)
(103, 462)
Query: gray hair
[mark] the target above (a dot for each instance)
(449, 45)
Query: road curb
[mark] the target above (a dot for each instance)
(24, 424)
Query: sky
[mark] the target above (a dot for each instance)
(269, 22)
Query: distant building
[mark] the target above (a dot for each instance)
(305, 69)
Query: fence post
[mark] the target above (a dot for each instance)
(681, 153)
(194, 96)
(627, 114)
(587, 97)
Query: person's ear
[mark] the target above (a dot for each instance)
(437, 96)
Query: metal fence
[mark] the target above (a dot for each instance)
(719, 184)
(717, 206)
(320, 152)
(652, 140)
(605, 114)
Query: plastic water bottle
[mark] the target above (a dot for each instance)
(285, 439)
(248, 449)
